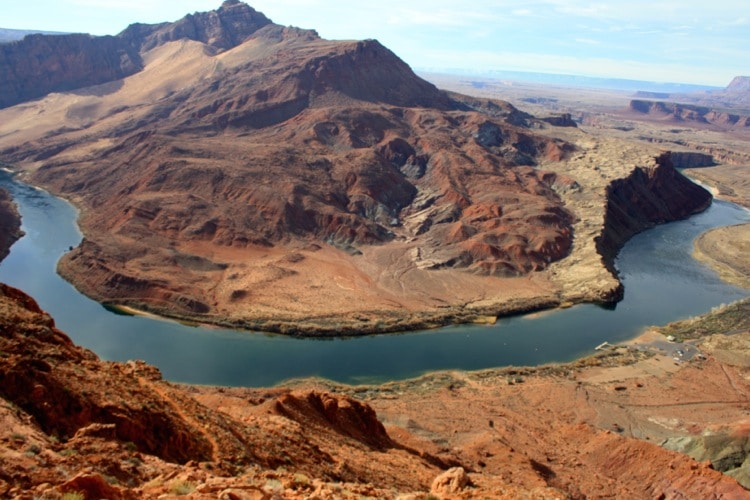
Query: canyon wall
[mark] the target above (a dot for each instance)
(647, 197)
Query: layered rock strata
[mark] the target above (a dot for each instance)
(647, 197)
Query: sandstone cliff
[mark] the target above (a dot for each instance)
(40, 64)
(649, 196)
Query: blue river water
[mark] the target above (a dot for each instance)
(662, 282)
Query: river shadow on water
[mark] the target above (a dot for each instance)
(662, 281)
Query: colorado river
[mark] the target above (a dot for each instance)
(662, 281)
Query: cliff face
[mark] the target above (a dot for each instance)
(10, 223)
(688, 159)
(649, 196)
(221, 29)
(670, 111)
(39, 64)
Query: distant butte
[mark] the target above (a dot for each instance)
(237, 172)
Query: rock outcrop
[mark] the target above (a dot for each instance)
(649, 196)
(10, 223)
(40, 374)
(221, 29)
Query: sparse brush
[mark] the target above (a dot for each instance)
(181, 487)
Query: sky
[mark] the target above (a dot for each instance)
(682, 41)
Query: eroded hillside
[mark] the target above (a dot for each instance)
(262, 177)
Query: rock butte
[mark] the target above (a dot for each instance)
(236, 172)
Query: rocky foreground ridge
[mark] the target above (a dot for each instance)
(258, 176)
(74, 424)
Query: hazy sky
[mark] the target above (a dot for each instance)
(689, 41)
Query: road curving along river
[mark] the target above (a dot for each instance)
(662, 282)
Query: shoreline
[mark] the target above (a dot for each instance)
(725, 250)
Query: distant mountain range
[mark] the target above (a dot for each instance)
(580, 81)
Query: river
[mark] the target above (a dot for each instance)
(662, 282)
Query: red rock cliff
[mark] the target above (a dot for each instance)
(649, 196)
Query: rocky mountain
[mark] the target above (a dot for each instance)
(40, 63)
(10, 223)
(234, 138)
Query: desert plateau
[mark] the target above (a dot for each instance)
(231, 172)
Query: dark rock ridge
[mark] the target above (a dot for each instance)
(647, 197)
(40, 64)
(563, 120)
(222, 29)
(10, 223)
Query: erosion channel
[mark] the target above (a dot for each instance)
(662, 283)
